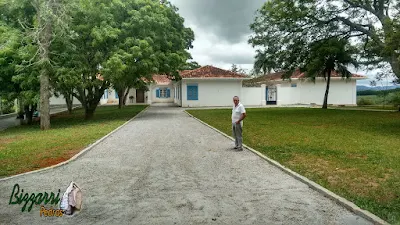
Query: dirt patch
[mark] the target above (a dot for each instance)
(356, 156)
(7, 140)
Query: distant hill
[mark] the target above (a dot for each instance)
(377, 88)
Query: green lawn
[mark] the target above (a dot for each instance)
(362, 107)
(27, 148)
(355, 154)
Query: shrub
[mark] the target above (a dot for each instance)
(394, 98)
(365, 101)
(7, 106)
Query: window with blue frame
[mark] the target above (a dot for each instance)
(294, 85)
(192, 92)
(163, 93)
(116, 95)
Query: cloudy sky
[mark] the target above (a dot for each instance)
(222, 30)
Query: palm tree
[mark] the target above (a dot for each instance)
(326, 56)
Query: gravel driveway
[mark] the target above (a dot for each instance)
(167, 168)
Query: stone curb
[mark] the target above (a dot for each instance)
(5, 116)
(339, 200)
(81, 153)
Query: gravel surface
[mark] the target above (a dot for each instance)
(164, 167)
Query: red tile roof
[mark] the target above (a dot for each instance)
(161, 79)
(210, 72)
(202, 72)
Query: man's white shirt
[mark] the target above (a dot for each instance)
(237, 112)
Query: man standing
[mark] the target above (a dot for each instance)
(238, 115)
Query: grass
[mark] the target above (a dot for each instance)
(27, 148)
(374, 107)
(352, 153)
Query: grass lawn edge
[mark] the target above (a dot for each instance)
(338, 199)
(81, 153)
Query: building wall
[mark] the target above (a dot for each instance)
(132, 92)
(251, 96)
(110, 97)
(341, 92)
(154, 98)
(61, 100)
(212, 92)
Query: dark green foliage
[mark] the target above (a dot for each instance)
(284, 30)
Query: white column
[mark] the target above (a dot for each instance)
(150, 94)
(184, 94)
(263, 99)
(278, 101)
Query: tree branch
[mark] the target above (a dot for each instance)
(367, 7)
(359, 28)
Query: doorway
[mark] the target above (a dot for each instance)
(271, 95)
(139, 96)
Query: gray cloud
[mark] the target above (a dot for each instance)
(227, 19)
(221, 28)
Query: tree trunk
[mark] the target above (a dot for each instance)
(325, 105)
(395, 64)
(91, 105)
(45, 34)
(126, 95)
(20, 109)
(120, 99)
(89, 112)
(69, 100)
(29, 110)
(90, 109)
(90, 100)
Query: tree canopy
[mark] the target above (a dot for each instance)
(80, 48)
(285, 29)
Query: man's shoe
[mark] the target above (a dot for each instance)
(239, 149)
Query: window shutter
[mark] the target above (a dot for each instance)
(192, 93)
(158, 93)
(168, 93)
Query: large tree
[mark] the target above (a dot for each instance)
(39, 22)
(285, 28)
(18, 75)
(50, 22)
(118, 43)
(151, 39)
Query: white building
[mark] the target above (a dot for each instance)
(300, 90)
(211, 86)
(205, 86)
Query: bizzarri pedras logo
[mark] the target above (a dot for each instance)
(69, 203)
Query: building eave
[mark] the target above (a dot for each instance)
(216, 78)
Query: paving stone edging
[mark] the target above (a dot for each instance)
(339, 200)
(5, 116)
(81, 153)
